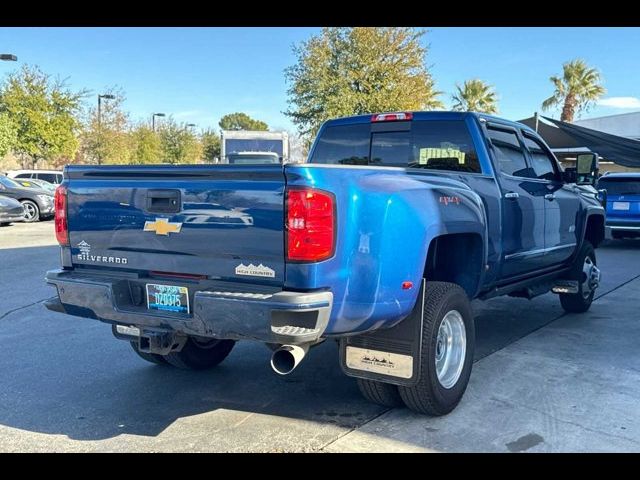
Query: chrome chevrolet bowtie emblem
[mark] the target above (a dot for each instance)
(162, 226)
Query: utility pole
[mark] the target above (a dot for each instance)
(100, 97)
(153, 120)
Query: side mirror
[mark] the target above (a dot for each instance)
(587, 168)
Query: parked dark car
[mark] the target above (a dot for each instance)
(622, 203)
(37, 202)
(11, 210)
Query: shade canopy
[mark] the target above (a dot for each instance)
(621, 150)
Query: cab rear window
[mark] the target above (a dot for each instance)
(433, 145)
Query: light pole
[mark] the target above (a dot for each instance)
(153, 120)
(8, 57)
(100, 97)
(107, 96)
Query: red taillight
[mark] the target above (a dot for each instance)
(310, 225)
(392, 117)
(60, 204)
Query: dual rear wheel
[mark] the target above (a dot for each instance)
(448, 338)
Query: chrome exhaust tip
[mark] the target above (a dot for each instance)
(286, 358)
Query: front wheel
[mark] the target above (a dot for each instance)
(31, 211)
(448, 339)
(587, 274)
(200, 353)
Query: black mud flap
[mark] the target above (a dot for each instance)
(391, 355)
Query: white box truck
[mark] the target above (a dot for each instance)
(254, 147)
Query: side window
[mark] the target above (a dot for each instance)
(59, 178)
(444, 145)
(47, 177)
(23, 175)
(541, 160)
(344, 145)
(509, 153)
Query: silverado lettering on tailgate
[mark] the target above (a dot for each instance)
(85, 255)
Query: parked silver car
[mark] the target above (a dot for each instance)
(11, 211)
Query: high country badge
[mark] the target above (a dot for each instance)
(253, 271)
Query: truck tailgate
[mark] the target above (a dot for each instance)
(223, 222)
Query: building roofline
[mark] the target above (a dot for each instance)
(608, 116)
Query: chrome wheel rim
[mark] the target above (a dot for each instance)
(590, 277)
(451, 349)
(29, 211)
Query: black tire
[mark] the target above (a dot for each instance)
(429, 396)
(31, 211)
(380, 393)
(149, 357)
(579, 302)
(200, 354)
(617, 235)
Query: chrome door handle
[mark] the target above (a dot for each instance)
(550, 196)
(512, 195)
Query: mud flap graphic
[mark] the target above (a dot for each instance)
(385, 363)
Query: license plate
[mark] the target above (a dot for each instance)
(621, 205)
(167, 298)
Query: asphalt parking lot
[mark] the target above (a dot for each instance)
(542, 381)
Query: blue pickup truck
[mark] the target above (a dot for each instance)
(379, 242)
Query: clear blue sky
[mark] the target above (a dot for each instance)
(199, 74)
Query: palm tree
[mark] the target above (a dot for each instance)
(579, 86)
(475, 96)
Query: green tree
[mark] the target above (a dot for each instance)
(44, 111)
(106, 139)
(179, 144)
(579, 86)
(475, 96)
(241, 121)
(210, 141)
(146, 146)
(346, 71)
(8, 135)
